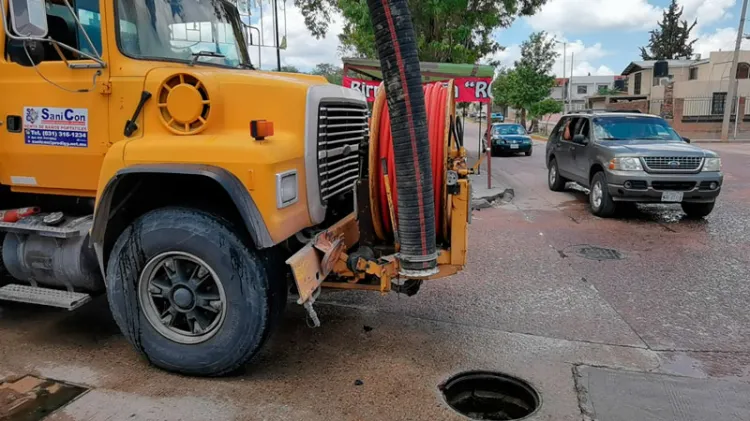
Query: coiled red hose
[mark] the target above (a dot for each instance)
(435, 104)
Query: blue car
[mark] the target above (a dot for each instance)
(509, 138)
(499, 117)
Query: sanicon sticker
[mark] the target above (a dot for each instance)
(67, 127)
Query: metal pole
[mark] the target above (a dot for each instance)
(489, 146)
(479, 150)
(570, 87)
(736, 116)
(733, 77)
(565, 85)
(276, 27)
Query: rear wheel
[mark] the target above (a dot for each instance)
(698, 210)
(601, 202)
(555, 181)
(188, 293)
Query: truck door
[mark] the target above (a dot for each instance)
(580, 153)
(562, 144)
(55, 118)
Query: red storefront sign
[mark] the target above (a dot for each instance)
(467, 89)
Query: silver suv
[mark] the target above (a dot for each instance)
(631, 157)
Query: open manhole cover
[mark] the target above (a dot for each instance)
(597, 253)
(482, 395)
(30, 398)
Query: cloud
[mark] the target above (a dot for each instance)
(721, 39)
(581, 16)
(582, 56)
(707, 11)
(303, 50)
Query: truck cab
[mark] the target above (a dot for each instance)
(152, 154)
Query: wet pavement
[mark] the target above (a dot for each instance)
(529, 304)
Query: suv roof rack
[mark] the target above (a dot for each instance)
(594, 111)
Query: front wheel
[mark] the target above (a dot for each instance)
(698, 210)
(601, 202)
(555, 181)
(528, 153)
(188, 294)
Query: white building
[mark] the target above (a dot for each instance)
(581, 88)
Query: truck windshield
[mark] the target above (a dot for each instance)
(176, 30)
(634, 128)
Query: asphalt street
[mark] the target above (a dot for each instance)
(674, 303)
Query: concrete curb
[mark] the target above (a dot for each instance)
(506, 196)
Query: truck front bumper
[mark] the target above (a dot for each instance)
(640, 186)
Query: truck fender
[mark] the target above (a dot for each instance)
(247, 208)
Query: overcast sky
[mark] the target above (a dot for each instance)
(603, 35)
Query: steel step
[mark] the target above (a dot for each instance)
(44, 296)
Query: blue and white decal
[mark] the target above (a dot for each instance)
(49, 126)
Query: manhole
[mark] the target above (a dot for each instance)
(31, 398)
(482, 395)
(598, 253)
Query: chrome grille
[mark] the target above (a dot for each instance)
(342, 130)
(673, 163)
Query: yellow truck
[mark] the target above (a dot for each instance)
(158, 167)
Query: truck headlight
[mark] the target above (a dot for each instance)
(712, 164)
(286, 189)
(627, 163)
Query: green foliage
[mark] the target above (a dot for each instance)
(332, 73)
(672, 39)
(521, 87)
(290, 69)
(448, 31)
(545, 107)
(609, 91)
(538, 53)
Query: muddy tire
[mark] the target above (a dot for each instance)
(555, 181)
(601, 202)
(189, 294)
(698, 210)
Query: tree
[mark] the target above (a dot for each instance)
(521, 88)
(448, 31)
(290, 69)
(606, 90)
(545, 107)
(671, 40)
(538, 53)
(332, 73)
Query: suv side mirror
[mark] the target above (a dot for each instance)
(580, 139)
(28, 18)
(686, 139)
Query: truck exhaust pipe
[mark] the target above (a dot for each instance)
(399, 62)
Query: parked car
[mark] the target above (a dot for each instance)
(631, 157)
(498, 117)
(510, 138)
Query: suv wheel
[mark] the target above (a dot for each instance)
(555, 181)
(698, 210)
(601, 202)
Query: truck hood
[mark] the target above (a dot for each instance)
(650, 148)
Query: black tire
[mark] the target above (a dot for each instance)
(606, 206)
(250, 303)
(698, 210)
(555, 182)
(528, 153)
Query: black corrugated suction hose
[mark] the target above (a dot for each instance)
(397, 49)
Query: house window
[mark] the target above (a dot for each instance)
(717, 102)
(743, 71)
(637, 84)
(582, 89)
(601, 88)
(693, 73)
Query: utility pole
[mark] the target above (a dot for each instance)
(570, 87)
(732, 91)
(564, 76)
(276, 25)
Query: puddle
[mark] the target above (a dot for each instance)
(31, 398)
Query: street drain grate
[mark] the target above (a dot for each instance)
(483, 395)
(30, 398)
(598, 253)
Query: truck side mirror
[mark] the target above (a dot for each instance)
(28, 18)
(686, 139)
(580, 139)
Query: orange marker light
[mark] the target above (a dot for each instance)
(612, 164)
(261, 129)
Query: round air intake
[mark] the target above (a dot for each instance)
(184, 104)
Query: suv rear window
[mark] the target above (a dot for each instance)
(634, 128)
